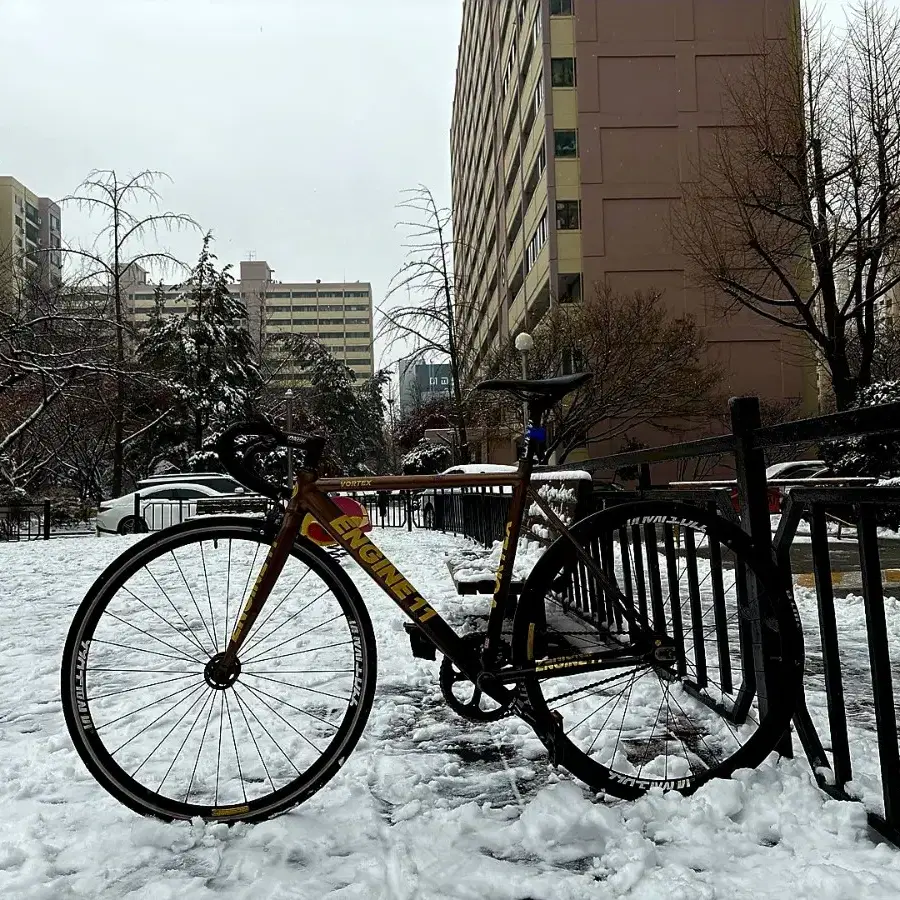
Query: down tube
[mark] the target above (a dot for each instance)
(385, 574)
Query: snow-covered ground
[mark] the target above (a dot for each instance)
(429, 805)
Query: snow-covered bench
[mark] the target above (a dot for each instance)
(474, 570)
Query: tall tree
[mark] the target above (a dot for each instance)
(205, 357)
(130, 208)
(51, 352)
(795, 216)
(649, 368)
(422, 311)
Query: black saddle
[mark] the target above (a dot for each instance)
(550, 390)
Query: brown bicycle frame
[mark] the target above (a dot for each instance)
(311, 496)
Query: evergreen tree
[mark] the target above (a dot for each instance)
(204, 357)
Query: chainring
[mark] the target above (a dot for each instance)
(474, 704)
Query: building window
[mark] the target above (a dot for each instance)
(539, 94)
(565, 143)
(568, 215)
(510, 68)
(536, 244)
(562, 72)
(561, 8)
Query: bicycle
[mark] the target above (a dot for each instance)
(197, 634)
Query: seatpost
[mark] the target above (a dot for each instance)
(535, 435)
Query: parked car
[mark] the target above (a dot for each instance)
(162, 504)
(798, 468)
(223, 484)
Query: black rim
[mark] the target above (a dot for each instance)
(175, 734)
(672, 725)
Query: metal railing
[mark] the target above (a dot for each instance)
(853, 506)
(39, 521)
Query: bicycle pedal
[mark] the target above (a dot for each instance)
(422, 648)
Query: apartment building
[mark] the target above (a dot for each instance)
(421, 382)
(29, 226)
(337, 314)
(576, 124)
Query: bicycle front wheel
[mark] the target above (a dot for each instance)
(687, 575)
(144, 707)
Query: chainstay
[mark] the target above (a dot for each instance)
(593, 684)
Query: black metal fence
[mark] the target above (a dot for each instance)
(40, 521)
(872, 705)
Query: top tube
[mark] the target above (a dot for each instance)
(416, 482)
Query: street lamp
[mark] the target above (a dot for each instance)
(289, 426)
(524, 344)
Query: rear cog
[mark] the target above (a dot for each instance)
(465, 698)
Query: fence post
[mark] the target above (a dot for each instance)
(137, 509)
(47, 512)
(750, 464)
(644, 477)
(409, 510)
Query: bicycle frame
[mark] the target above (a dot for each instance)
(311, 496)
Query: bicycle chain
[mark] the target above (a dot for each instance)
(585, 687)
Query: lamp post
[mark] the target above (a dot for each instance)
(289, 426)
(524, 344)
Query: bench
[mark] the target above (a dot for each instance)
(474, 571)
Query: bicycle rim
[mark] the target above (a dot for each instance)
(153, 725)
(685, 573)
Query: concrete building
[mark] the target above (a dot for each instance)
(420, 382)
(337, 314)
(28, 224)
(576, 124)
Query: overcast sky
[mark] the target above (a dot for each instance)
(289, 127)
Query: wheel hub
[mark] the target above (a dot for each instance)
(219, 676)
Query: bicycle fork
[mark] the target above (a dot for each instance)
(225, 665)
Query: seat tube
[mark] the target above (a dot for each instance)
(535, 438)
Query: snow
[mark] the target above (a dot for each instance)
(429, 806)
(562, 475)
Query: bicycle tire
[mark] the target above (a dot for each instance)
(549, 605)
(118, 590)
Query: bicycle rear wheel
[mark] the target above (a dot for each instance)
(686, 573)
(156, 725)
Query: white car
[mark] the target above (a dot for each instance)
(161, 504)
(426, 498)
(798, 468)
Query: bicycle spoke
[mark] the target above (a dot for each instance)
(290, 619)
(305, 712)
(237, 755)
(212, 617)
(154, 638)
(208, 699)
(193, 643)
(160, 716)
(193, 599)
(297, 652)
(165, 594)
(187, 792)
(227, 594)
(297, 637)
(240, 706)
(219, 755)
(260, 625)
(271, 736)
(256, 693)
(142, 650)
(184, 715)
(300, 687)
(145, 706)
(140, 686)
